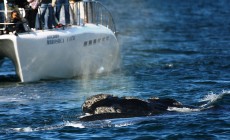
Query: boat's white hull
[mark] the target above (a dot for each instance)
(62, 53)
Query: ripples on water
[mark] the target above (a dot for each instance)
(178, 49)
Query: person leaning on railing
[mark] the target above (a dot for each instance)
(16, 23)
(10, 6)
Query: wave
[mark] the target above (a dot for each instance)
(30, 129)
(209, 101)
(165, 51)
(79, 124)
(212, 99)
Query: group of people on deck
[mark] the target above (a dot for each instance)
(32, 7)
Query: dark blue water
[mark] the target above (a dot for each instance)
(170, 48)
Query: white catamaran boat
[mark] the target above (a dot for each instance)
(86, 47)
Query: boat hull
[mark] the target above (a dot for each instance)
(64, 53)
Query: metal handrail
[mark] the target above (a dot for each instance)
(87, 12)
(2, 27)
(111, 25)
(99, 15)
(93, 12)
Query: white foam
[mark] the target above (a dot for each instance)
(75, 124)
(26, 129)
(183, 109)
(124, 124)
(212, 98)
(11, 99)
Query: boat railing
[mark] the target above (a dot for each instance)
(96, 13)
(2, 20)
(81, 13)
(89, 11)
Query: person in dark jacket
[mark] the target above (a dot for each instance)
(17, 23)
(31, 12)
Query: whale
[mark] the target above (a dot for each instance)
(108, 106)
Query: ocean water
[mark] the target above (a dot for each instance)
(170, 48)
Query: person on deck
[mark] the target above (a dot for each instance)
(66, 8)
(32, 11)
(51, 18)
(17, 23)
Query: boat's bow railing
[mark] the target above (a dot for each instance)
(95, 12)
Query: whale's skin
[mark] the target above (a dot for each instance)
(107, 106)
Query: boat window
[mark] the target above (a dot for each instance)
(94, 41)
(85, 43)
(90, 42)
